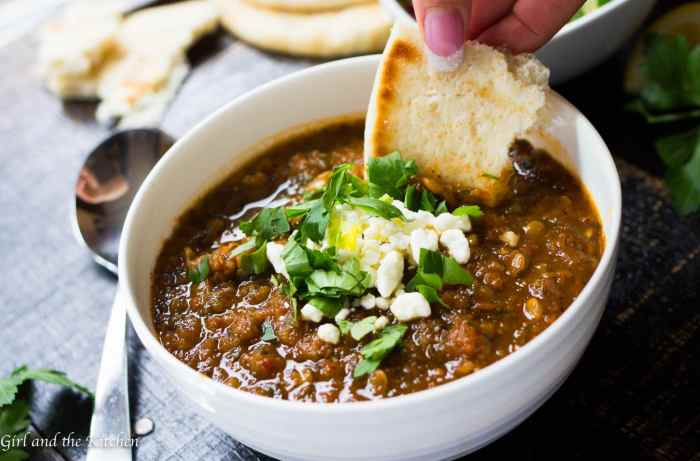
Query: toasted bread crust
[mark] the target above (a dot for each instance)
(457, 126)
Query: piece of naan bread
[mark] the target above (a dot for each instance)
(458, 126)
(150, 62)
(74, 46)
(306, 6)
(356, 29)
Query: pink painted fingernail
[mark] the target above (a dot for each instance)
(444, 35)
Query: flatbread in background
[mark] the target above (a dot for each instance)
(150, 62)
(458, 126)
(306, 6)
(75, 45)
(357, 29)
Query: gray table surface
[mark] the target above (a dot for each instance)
(632, 393)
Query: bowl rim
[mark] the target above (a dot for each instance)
(396, 10)
(163, 357)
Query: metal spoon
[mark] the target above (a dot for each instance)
(107, 183)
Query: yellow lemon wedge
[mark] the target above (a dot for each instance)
(684, 20)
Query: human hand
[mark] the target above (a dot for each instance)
(519, 25)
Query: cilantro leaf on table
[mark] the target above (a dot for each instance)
(14, 418)
(14, 414)
(671, 93)
(14, 454)
(671, 71)
(14, 423)
(389, 175)
(375, 351)
(684, 183)
(681, 155)
(10, 385)
(656, 118)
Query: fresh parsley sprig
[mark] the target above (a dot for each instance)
(671, 93)
(14, 414)
(375, 351)
(434, 271)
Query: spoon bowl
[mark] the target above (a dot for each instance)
(106, 185)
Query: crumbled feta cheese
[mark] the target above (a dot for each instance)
(409, 306)
(447, 221)
(329, 333)
(390, 273)
(400, 241)
(273, 251)
(510, 238)
(342, 314)
(382, 303)
(311, 313)
(457, 245)
(422, 238)
(380, 323)
(371, 255)
(424, 218)
(368, 301)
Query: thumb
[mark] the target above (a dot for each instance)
(444, 25)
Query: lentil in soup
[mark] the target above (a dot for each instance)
(345, 289)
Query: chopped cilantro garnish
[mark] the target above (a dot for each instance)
(441, 208)
(200, 272)
(389, 175)
(329, 306)
(296, 259)
(349, 280)
(473, 211)
(375, 207)
(315, 223)
(412, 198)
(255, 262)
(268, 224)
(268, 331)
(363, 327)
(375, 351)
(344, 326)
(428, 201)
(434, 271)
(301, 209)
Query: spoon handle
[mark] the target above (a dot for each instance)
(110, 433)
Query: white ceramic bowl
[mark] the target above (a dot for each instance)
(582, 44)
(443, 422)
